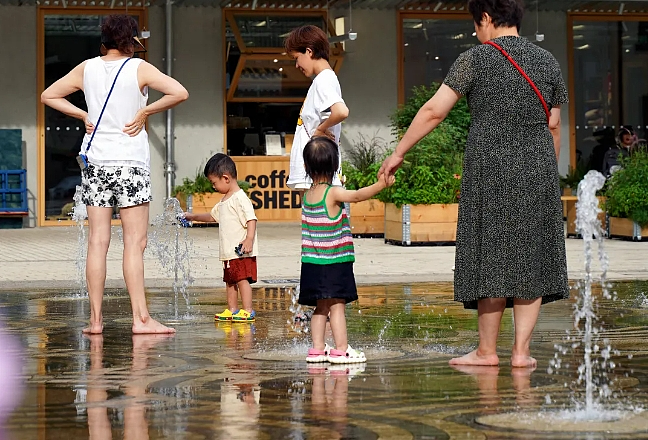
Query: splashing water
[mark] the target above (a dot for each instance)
(301, 316)
(596, 364)
(170, 243)
(79, 215)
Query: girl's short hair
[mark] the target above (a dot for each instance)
(506, 13)
(308, 37)
(117, 32)
(321, 158)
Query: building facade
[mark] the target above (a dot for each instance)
(245, 93)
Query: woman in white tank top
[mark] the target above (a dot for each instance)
(115, 157)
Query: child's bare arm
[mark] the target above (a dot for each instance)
(204, 217)
(342, 195)
(248, 243)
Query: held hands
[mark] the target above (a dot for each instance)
(385, 181)
(134, 127)
(246, 245)
(390, 166)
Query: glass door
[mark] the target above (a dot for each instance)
(68, 38)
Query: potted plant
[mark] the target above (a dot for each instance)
(421, 207)
(198, 195)
(360, 169)
(627, 198)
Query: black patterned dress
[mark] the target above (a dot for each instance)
(510, 237)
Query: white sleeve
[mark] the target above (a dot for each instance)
(327, 91)
(214, 212)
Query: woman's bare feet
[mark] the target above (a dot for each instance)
(150, 326)
(523, 361)
(94, 328)
(474, 358)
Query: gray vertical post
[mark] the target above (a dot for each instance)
(169, 162)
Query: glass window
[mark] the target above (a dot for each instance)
(271, 30)
(248, 123)
(430, 48)
(610, 67)
(265, 90)
(275, 77)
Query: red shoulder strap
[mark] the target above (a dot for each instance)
(523, 73)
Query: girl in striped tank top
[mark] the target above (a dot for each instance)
(327, 281)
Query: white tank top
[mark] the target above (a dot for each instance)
(111, 146)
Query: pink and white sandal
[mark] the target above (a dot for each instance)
(350, 356)
(317, 356)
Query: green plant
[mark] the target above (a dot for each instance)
(201, 184)
(458, 118)
(627, 192)
(364, 158)
(431, 171)
(574, 175)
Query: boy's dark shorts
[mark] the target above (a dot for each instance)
(240, 269)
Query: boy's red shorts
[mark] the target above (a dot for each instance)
(240, 269)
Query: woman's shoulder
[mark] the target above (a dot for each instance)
(327, 76)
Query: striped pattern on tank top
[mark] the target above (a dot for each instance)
(325, 240)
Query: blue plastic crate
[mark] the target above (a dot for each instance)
(13, 192)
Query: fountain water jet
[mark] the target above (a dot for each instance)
(79, 215)
(590, 415)
(170, 243)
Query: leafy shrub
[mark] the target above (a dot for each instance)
(431, 170)
(627, 192)
(363, 160)
(458, 118)
(574, 176)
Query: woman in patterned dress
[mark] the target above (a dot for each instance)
(510, 244)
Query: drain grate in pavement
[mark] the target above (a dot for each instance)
(280, 281)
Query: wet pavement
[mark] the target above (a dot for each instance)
(250, 381)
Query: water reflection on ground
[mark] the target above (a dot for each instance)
(248, 381)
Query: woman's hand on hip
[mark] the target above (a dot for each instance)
(89, 126)
(327, 133)
(134, 127)
(390, 165)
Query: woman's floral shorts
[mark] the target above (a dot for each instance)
(115, 186)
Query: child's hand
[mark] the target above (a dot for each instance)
(247, 245)
(389, 180)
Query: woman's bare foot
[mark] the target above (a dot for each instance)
(523, 361)
(473, 358)
(150, 326)
(94, 329)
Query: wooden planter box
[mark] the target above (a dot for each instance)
(566, 192)
(570, 202)
(421, 224)
(367, 218)
(626, 228)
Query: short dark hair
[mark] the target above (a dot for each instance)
(321, 158)
(308, 37)
(507, 13)
(117, 32)
(219, 165)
